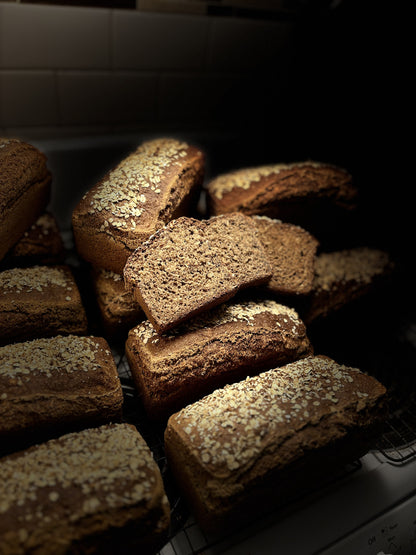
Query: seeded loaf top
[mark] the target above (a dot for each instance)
(191, 265)
(84, 492)
(261, 190)
(157, 182)
(225, 448)
(344, 276)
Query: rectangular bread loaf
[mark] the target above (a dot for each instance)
(40, 244)
(118, 310)
(157, 182)
(40, 301)
(25, 186)
(273, 433)
(269, 190)
(192, 265)
(342, 277)
(94, 491)
(220, 346)
(56, 384)
(317, 196)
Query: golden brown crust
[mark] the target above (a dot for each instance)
(224, 345)
(83, 493)
(156, 183)
(291, 251)
(25, 183)
(192, 265)
(40, 301)
(264, 430)
(59, 383)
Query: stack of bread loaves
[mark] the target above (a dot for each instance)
(212, 306)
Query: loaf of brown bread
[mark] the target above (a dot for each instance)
(40, 301)
(156, 183)
(40, 244)
(25, 185)
(54, 384)
(291, 251)
(220, 346)
(342, 277)
(249, 446)
(118, 310)
(94, 491)
(192, 265)
(271, 190)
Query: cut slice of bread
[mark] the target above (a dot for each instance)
(191, 265)
(291, 251)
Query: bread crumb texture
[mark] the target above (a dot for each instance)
(51, 489)
(124, 191)
(60, 354)
(191, 265)
(360, 265)
(231, 427)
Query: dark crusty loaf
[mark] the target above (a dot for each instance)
(271, 433)
(40, 244)
(267, 189)
(342, 277)
(291, 251)
(319, 197)
(191, 265)
(158, 182)
(118, 310)
(25, 185)
(223, 345)
(58, 383)
(94, 491)
(40, 301)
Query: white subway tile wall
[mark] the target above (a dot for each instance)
(76, 70)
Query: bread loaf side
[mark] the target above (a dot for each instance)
(40, 301)
(54, 384)
(225, 344)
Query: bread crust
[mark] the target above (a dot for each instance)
(158, 182)
(227, 344)
(85, 492)
(57, 384)
(40, 301)
(266, 433)
(265, 189)
(25, 187)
